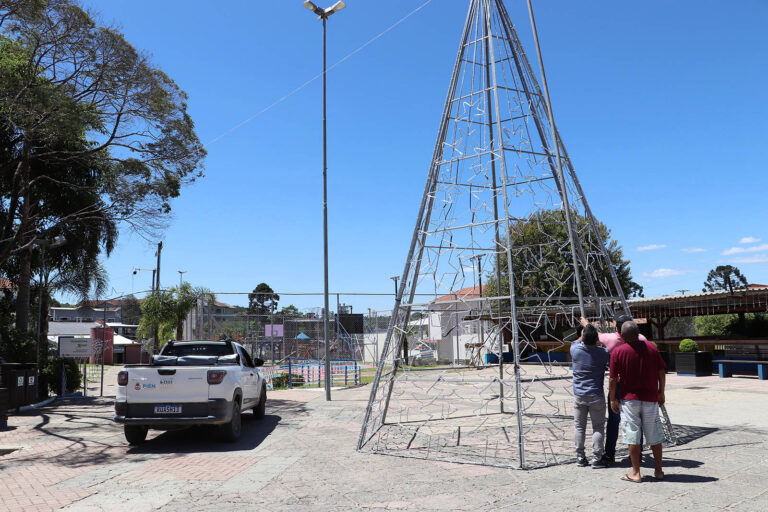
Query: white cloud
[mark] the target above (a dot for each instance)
(665, 272)
(651, 247)
(740, 250)
(749, 240)
(757, 258)
(693, 249)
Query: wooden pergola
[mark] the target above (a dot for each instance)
(659, 310)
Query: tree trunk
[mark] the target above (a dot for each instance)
(179, 329)
(22, 297)
(25, 256)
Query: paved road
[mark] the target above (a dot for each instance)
(71, 456)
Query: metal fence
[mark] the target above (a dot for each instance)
(303, 373)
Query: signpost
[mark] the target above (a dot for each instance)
(74, 348)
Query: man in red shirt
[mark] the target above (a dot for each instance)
(639, 369)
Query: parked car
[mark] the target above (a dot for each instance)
(190, 383)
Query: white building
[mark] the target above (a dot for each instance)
(457, 326)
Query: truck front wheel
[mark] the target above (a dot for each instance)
(135, 434)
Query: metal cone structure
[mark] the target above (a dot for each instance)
(501, 199)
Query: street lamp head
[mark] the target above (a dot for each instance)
(312, 7)
(335, 8)
(324, 13)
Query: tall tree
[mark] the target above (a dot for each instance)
(130, 310)
(262, 300)
(289, 311)
(724, 278)
(65, 78)
(546, 231)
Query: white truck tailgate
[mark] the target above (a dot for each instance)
(167, 384)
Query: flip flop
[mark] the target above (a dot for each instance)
(627, 478)
(659, 478)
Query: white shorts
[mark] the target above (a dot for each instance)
(638, 418)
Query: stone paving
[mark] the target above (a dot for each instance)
(71, 456)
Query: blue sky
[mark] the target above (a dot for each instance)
(662, 105)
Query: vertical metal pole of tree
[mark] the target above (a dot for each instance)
(560, 176)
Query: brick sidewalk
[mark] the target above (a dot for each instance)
(301, 457)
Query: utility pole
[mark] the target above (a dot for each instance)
(156, 282)
(103, 341)
(479, 258)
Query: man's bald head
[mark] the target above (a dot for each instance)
(630, 332)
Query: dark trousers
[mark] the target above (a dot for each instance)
(612, 430)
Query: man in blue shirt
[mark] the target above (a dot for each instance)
(589, 363)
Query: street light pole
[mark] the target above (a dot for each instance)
(479, 258)
(156, 276)
(180, 274)
(324, 14)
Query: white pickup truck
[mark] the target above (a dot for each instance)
(190, 383)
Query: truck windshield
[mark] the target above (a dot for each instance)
(203, 349)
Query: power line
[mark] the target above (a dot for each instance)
(319, 75)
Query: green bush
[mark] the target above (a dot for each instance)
(281, 381)
(17, 346)
(52, 374)
(688, 345)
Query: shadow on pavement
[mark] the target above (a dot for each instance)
(287, 406)
(670, 462)
(689, 433)
(689, 479)
(203, 439)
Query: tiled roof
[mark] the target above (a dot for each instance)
(472, 292)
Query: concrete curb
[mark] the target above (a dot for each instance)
(35, 406)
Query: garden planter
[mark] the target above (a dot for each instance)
(669, 360)
(697, 364)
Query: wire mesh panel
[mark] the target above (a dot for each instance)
(501, 206)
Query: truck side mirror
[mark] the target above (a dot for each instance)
(257, 361)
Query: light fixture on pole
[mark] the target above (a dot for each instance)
(395, 279)
(136, 270)
(180, 273)
(43, 244)
(323, 15)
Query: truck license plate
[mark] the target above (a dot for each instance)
(167, 409)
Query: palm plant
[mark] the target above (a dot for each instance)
(167, 309)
